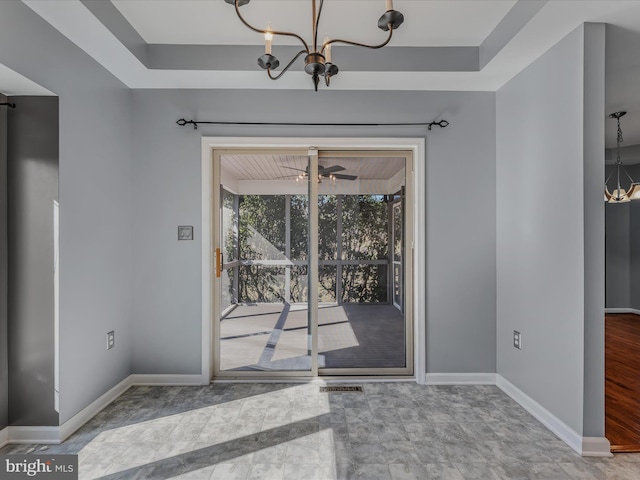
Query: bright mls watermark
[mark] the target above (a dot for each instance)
(51, 467)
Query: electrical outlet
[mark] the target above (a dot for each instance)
(111, 339)
(517, 340)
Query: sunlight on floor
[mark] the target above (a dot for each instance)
(265, 337)
(256, 422)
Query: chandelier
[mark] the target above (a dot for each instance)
(317, 61)
(620, 195)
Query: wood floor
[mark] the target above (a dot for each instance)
(622, 387)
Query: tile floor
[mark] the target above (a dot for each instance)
(292, 431)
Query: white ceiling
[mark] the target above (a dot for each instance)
(214, 22)
(461, 23)
(276, 167)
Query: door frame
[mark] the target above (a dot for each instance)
(415, 145)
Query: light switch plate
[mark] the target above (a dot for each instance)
(185, 233)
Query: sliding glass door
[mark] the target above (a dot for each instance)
(310, 274)
(360, 331)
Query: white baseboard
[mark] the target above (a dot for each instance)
(39, 435)
(167, 380)
(548, 419)
(91, 410)
(596, 447)
(460, 379)
(585, 446)
(55, 435)
(622, 310)
(4, 437)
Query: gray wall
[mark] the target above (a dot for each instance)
(618, 255)
(95, 202)
(543, 277)
(623, 242)
(594, 225)
(460, 229)
(32, 159)
(4, 271)
(634, 252)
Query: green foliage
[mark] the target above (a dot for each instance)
(261, 226)
(364, 227)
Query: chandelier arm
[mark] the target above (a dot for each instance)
(287, 67)
(273, 32)
(609, 177)
(348, 42)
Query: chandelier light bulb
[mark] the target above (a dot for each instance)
(268, 38)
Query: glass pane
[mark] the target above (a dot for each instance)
(397, 231)
(259, 284)
(364, 284)
(365, 224)
(327, 227)
(229, 226)
(299, 228)
(228, 293)
(262, 227)
(327, 284)
(264, 316)
(299, 284)
(360, 328)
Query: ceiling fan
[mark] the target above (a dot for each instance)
(323, 172)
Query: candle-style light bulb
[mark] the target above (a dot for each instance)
(268, 37)
(327, 50)
(389, 5)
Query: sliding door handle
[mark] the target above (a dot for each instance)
(218, 263)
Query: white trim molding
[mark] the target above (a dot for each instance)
(167, 380)
(56, 435)
(622, 310)
(460, 379)
(586, 446)
(548, 419)
(4, 437)
(69, 427)
(416, 145)
(39, 435)
(596, 447)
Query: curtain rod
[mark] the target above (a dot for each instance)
(10, 105)
(442, 124)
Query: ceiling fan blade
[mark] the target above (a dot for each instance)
(286, 176)
(292, 168)
(343, 176)
(331, 169)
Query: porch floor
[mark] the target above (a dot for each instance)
(274, 337)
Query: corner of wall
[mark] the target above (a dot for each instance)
(594, 230)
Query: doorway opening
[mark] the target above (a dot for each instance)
(313, 263)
